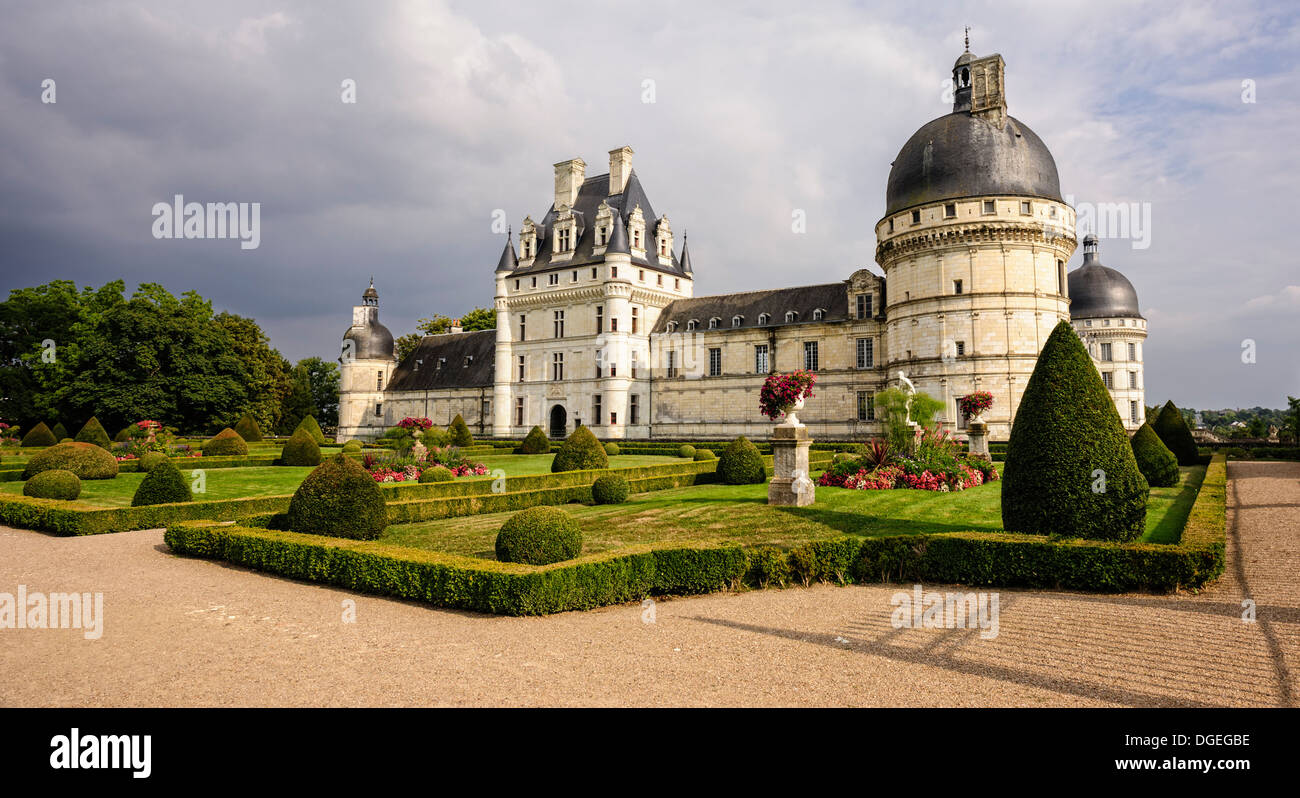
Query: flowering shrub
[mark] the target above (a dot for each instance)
(406, 474)
(781, 391)
(975, 403)
(415, 424)
(392, 468)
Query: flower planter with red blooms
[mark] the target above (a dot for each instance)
(783, 395)
(973, 405)
(415, 424)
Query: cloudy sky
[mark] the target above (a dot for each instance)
(760, 108)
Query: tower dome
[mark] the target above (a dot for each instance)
(370, 339)
(1097, 291)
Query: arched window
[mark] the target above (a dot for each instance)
(692, 324)
(736, 321)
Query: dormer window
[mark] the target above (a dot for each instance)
(672, 326)
(692, 324)
(528, 239)
(713, 323)
(819, 314)
(736, 321)
(636, 230)
(442, 361)
(791, 316)
(764, 319)
(469, 359)
(604, 223)
(562, 240)
(664, 240)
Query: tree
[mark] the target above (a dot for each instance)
(895, 406)
(406, 345)
(298, 404)
(268, 376)
(323, 380)
(476, 319)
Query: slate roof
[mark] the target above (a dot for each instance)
(593, 191)
(419, 371)
(833, 298)
(1097, 291)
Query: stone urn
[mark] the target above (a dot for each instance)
(791, 419)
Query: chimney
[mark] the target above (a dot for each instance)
(568, 179)
(455, 327)
(620, 168)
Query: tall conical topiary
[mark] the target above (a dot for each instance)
(580, 451)
(1070, 470)
(162, 485)
(39, 435)
(459, 431)
(93, 432)
(1154, 459)
(309, 424)
(1173, 431)
(301, 450)
(339, 499)
(248, 429)
(535, 442)
(59, 432)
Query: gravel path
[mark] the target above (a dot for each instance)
(182, 632)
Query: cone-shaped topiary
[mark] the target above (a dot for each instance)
(93, 432)
(686, 450)
(1154, 459)
(580, 451)
(535, 442)
(539, 536)
(86, 460)
(300, 450)
(53, 484)
(340, 499)
(248, 429)
(1070, 470)
(60, 432)
(309, 423)
(151, 460)
(1172, 429)
(741, 464)
(225, 443)
(611, 449)
(162, 485)
(459, 431)
(437, 473)
(609, 489)
(39, 435)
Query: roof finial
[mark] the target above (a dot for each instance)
(968, 38)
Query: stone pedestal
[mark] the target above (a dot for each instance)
(791, 486)
(979, 438)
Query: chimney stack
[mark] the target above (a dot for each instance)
(568, 179)
(620, 168)
(455, 327)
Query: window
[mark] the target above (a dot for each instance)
(819, 314)
(559, 324)
(1060, 277)
(600, 236)
(1108, 379)
(659, 279)
(891, 225)
(486, 410)
(1088, 323)
(613, 419)
(961, 349)
(989, 206)
(692, 324)
(713, 323)
(950, 210)
(640, 275)
(613, 369)
(810, 355)
(864, 306)
(574, 278)
(916, 217)
(760, 359)
(736, 321)
(379, 409)
(379, 380)
(600, 358)
(1133, 413)
(613, 324)
(534, 282)
(469, 361)
(442, 361)
(636, 240)
(715, 362)
(1105, 322)
(521, 368)
(636, 320)
(553, 279)
(764, 319)
(613, 272)
(600, 319)
(516, 285)
(633, 409)
(634, 364)
(523, 327)
(677, 283)
(1027, 208)
(557, 366)
(1106, 352)
(519, 412)
(790, 316)
(866, 406)
(562, 240)
(866, 353)
(672, 326)
(596, 414)
(1051, 211)
(593, 272)
(1132, 351)
(672, 364)
(1133, 380)
(956, 286)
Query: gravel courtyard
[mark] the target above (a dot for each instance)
(181, 632)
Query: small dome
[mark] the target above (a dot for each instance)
(1097, 291)
(372, 342)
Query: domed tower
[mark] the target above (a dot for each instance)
(1104, 312)
(366, 363)
(973, 243)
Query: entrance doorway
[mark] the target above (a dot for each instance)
(559, 422)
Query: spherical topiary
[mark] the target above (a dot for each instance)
(704, 454)
(86, 460)
(611, 449)
(1154, 459)
(686, 450)
(459, 432)
(309, 423)
(53, 484)
(535, 442)
(248, 428)
(340, 499)
(539, 536)
(741, 464)
(1172, 428)
(123, 435)
(1069, 467)
(609, 489)
(60, 432)
(437, 474)
(163, 485)
(39, 435)
(353, 446)
(93, 432)
(300, 450)
(150, 460)
(224, 444)
(580, 451)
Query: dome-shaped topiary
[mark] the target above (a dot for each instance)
(162, 485)
(340, 499)
(580, 451)
(704, 454)
(609, 489)
(1154, 459)
(123, 435)
(459, 432)
(313, 429)
(93, 432)
(39, 435)
(611, 449)
(53, 484)
(150, 460)
(1069, 467)
(741, 464)
(539, 536)
(686, 450)
(535, 442)
(300, 450)
(353, 446)
(226, 443)
(1172, 428)
(248, 428)
(437, 473)
(86, 460)
(60, 432)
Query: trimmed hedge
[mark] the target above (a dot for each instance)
(686, 450)
(86, 460)
(226, 443)
(53, 484)
(339, 499)
(611, 449)
(459, 432)
(93, 432)
(539, 536)
(611, 489)
(248, 429)
(300, 450)
(702, 455)
(741, 464)
(39, 435)
(162, 485)
(313, 429)
(150, 460)
(352, 447)
(1173, 431)
(535, 442)
(1154, 459)
(579, 452)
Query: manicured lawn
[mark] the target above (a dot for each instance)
(740, 514)
(516, 465)
(222, 483)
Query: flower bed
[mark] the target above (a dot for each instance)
(396, 468)
(934, 464)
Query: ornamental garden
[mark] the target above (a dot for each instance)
(536, 526)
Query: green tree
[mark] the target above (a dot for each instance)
(894, 406)
(298, 404)
(476, 319)
(323, 379)
(267, 382)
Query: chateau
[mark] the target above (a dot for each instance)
(598, 324)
